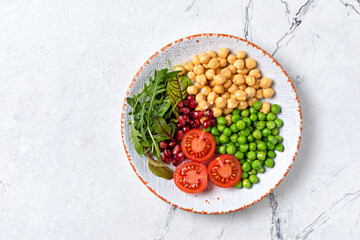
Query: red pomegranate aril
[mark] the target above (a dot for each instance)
(186, 117)
(163, 145)
(168, 153)
(179, 135)
(176, 149)
(191, 122)
(192, 104)
(180, 104)
(182, 121)
(212, 122)
(198, 114)
(191, 97)
(165, 159)
(185, 110)
(209, 113)
(196, 123)
(175, 162)
(186, 103)
(180, 156)
(172, 144)
(185, 128)
(206, 124)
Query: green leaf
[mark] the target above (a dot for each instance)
(160, 169)
(135, 136)
(162, 128)
(176, 88)
(130, 101)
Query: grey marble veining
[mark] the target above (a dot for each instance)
(64, 67)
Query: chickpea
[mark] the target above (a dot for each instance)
(192, 75)
(223, 62)
(268, 92)
(220, 103)
(242, 87)
(265, 82)
(231, 58)
(195, 60)
(226, 72)
(250, 92)
(259, 94)
(232, 68)
(212, 97)
(203, 104)
(219, 79)
(250, 80)
(232, 103)
(228, 120)
(233, 88)
(209, 74)
(202, 119)
(198, 69)
(217, 112)
(240, 95)
(265, 108)
(242, 105)
(211, 83)
(201, 79)
(239, 64)
(204, 58)
(218, 70)
(251, 101)
(255, 72)
(192, 90)
(197, 108)
(250, 63)
(199, 97)
(199, 86)
(240, 54)
(223, 52)
(219, 89)
(212, 54)
(228, 83)
(205, 66)
(188, 66)
(206, 90)
(180, 68)
(225, 95)
(232, 95)
(256, 85)
(214, 63)
(227, 110)
(238, 79)
(243, 71)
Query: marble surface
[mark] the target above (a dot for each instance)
(64, 68)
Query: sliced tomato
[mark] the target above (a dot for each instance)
(198, 145)
(191, 177)
(225, 171)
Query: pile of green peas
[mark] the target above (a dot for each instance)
(252, 137)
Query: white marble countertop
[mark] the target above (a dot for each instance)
(64, 68)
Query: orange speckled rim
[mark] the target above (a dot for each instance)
(162, 50)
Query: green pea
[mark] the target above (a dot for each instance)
(271, 154)
(269, 163)
(257, 134)
(230, 144)
(270, 125)
(279, 147)
(251, 155)
(241, 139)
(257, 105)
(246, 183)
(206, 129)
(252, 171)
(275, 109)
(253, 117)
(270, 146)
(215, 131)
(222, 149)
(239, 155)
(270, 116)
(236, 111)
(237, 144)
(278, 122)
(227, 132)
(221, 120)
(274, 131)
(253, 110)
(235, 118)
(231, 149)
(260, 125)
(279, 138)
(238, 185)
(261, 170)
(241, 125)
(217, 140)
(272, 139)
(224, 139)
(244, 175)
(250, 138)
(261, 155)
(261, 116)
(234, 138)
(221, 128)
(245, 132)
(253, 178)
(261, 146)
(249, 161)
(252, 146)
(257, 141)
(251, 128)
(266, 132)
(256, 165)
(245, 113)
(246, 167)
(233, 128)
(244, 147)
(247, 121)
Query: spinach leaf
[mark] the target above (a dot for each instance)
(177, 88)
(160, 169)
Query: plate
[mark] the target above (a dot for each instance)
(216, 200)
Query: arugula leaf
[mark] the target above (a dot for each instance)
(176, 88)
(135, 136)
(160, 169)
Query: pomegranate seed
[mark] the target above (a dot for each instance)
(179, 135)
(206, 124)
(180, 104)
(191, 97)
(176, 149)
(198, 114)
(209, 113)
(163, 145)
(192, 104)
(196, 123)
(185, 128)
(165, 159)
(185, 110)
(212, 122)
(175, 162)
(168, 153)
(186, 117)
(180, 156)
(172, 144)
(191, 122)
(182, 121)
(186, 103)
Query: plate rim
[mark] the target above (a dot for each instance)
(218, 35)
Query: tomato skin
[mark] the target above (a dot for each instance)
(191, 177)
(225, 171)
(198, 145)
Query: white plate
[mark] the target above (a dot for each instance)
(215, 200)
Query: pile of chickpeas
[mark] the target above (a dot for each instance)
(225, 81)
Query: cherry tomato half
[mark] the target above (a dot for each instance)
(225, 171)
(191, 177)
(198, 145)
